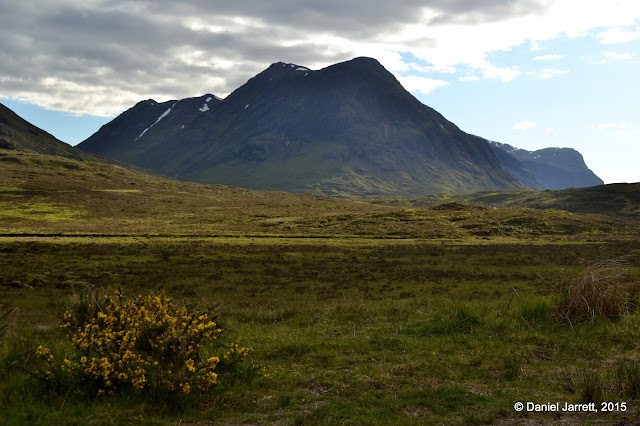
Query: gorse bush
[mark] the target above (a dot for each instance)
(599, 289)
(148, 343)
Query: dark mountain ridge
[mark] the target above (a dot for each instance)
(348, 129)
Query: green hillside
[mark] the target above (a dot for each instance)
(18, 134)
(613, 199)
(50, 194)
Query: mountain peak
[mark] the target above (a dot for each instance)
(364, 61)
(349, 129)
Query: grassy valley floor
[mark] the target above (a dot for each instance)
(362, 314)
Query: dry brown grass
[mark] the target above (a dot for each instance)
(605, 288)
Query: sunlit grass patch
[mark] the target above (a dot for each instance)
(40, 210)
(121, 191)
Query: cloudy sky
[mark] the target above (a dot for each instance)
(531, 73)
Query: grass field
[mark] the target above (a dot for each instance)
(362, 314)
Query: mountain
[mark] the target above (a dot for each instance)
(348, 129)
(548, 168)
(18, 134)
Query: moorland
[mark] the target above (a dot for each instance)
(398, 311)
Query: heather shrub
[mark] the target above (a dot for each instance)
(148, 343)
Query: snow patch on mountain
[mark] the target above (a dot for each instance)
(164, 114)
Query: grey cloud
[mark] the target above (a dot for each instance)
(131, 50)
(472, 12)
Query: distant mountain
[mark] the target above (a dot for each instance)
(548, 168)
(348, 129)
(18, 134)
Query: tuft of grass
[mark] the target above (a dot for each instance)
(591, 386)
(599, 289)
(537, 311)
(627, 378)
(8, 319)
(463, 321)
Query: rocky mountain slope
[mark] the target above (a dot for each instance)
(348, 129)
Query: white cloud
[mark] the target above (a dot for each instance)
(525, 125)
(551, 73)
(628, 132)
(484, 70)
(111, 52)
(535, 46)
(547, 73)
(619, 125)
(617, 35)
(548, 57)
(619, 56)
(622, 128)
(423, 85)
(548, 129)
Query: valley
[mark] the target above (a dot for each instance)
(399, 311)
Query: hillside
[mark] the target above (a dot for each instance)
(620, 199)
(44, 194)
(18, 134)
(348, 129)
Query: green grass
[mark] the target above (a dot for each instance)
(356, 330)
(38, 196)
(362, 313)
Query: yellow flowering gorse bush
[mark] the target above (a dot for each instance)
(148, 342)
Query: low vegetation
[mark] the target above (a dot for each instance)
(147, 343)
(602, 289)
(441, 331)
(620, 199)
(360, 313)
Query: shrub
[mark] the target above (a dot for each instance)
(146, 343)
(599, 289)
